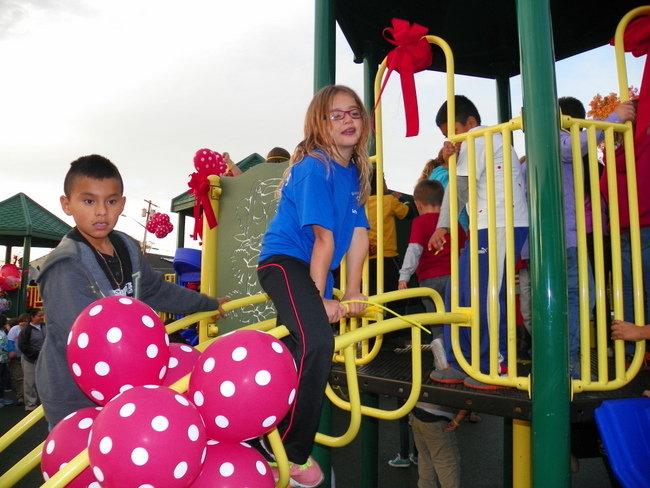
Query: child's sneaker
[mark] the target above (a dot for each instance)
(448, 376)
(479, 385)
(400, 462)
(308, 475)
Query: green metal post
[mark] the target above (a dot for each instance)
(370, 66)
(180, 231)
(324, 45)
(505, 113)
(369, 444)
(504, 105)
(22, 293)
(324, 74)
(550, 378)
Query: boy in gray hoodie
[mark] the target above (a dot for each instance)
(91, 262)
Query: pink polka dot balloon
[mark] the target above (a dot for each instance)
(182, 359)
(209, 162)
(67, 439)
(234, 466)
(147, 436)
(243, 384)
(117, 343)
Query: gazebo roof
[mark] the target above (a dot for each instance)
(482, 34)
(20, 216)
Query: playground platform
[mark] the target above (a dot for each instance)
(481, 447)
(390, 374)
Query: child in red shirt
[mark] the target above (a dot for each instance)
(432, 268)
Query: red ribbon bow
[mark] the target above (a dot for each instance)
(200, 188)
(637, 41)
(412, 55)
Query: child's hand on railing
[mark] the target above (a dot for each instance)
(437, 240)
(335, 310)
(354, 309)
(402, 285)
(220, 311)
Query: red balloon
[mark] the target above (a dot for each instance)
(182, 359)
(67, 439)
(249, 368)
(209, 162)
(233, 466)
(147, 436)
(117, 343)
(10, 277)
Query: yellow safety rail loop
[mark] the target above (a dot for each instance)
(355, 401)
(622, 376)
(496, 260)
(635, 241)
(509, 276)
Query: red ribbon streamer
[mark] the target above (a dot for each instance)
(200, 188)
(412, 55)
(636, 40)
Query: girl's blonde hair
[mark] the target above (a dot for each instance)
(318, 137)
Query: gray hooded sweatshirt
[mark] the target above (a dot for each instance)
(70, 280)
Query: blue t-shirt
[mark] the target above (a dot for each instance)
(316, 193)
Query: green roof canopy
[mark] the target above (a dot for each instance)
(20, 216)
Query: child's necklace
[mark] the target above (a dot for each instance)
(118, 283)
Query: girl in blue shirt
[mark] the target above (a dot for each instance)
(320, 217)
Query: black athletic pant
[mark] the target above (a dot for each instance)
(300, 308)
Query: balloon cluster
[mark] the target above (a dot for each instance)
(208, 162)
(159, 224)
(9, 277)
(147, 434)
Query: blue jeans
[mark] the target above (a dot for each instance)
(520, 235)
(626, 258)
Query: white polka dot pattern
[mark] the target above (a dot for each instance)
(114, 335)
(95, 310)
(235, 465)
(148, 437)
(66, 440)
(159, 423)
(105, 347)
(139, 456)
(105, 445)
(248, 368)
(85, 423)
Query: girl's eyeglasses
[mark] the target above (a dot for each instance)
(338, 115)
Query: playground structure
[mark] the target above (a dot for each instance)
(358, 344)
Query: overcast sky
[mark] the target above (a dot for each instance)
(148, 82)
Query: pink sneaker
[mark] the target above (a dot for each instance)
(308, 475)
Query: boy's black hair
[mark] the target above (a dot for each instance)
(93, 166)
(572, 107)
(464, 109)
(429, 192)
(33, 312)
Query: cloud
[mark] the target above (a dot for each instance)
(15, 13)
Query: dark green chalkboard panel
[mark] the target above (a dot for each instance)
(247, 204)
